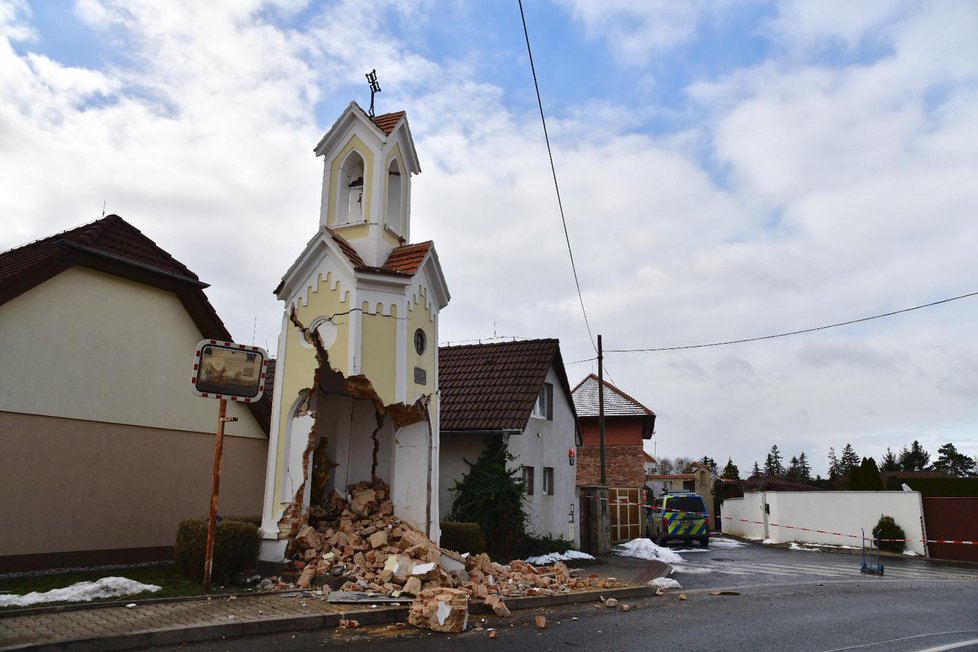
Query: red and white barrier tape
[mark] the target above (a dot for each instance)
(627, 503)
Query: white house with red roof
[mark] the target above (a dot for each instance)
(355, 397)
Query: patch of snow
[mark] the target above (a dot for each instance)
(795, 546)
(911, 553)
(691, 570)
(107, 587)
(768, 542)
(723, 542)
(554, 557)
(685, 550)
(665, 583)
(645, 549)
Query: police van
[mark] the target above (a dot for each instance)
(678, 516)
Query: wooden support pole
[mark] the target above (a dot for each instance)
(604, 477)
(215, 489)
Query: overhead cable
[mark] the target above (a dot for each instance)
(553, 170)
(799, 332)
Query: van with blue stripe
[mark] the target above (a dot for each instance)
(680, 516)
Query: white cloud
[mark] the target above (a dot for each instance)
(635, 31)
(809, 193)
(13, 21)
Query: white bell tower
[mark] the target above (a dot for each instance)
(366, 195)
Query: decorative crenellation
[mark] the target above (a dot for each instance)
(419, 295)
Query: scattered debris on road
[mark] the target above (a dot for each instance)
(356, 548)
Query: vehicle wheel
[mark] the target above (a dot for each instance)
(705, 542)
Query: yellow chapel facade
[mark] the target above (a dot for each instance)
(356, 378)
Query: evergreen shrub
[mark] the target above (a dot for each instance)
(237, 541)
(492, 494)
(462, 537)
(887, 528)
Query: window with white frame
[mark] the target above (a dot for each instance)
(548, 481)
(544, 407)
(528, 479)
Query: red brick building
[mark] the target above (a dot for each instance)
(628, 424)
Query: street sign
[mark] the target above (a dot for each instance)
(225, 370)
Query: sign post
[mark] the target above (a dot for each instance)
(225, 370)
(215, 489)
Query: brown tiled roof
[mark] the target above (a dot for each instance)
(111, 235)
(388, 121)
(408, 258)
(494, 386)
(113, 246)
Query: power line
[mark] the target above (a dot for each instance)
(800, 332)
(567, 364)
(553, 170)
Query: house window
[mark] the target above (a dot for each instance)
(528, 479)
(544, 407)
(548, 481)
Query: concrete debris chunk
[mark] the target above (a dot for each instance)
(611, 603)
(440, 610)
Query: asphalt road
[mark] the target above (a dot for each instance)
(786, 600)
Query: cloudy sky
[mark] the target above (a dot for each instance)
(729, 169)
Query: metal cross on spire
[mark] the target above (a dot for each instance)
(374, 89)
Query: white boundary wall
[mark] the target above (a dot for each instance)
(846, 512)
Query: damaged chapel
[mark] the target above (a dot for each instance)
(355, 397)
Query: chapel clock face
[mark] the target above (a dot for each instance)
(420, 342)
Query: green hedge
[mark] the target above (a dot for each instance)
(534, 546)
(462, 537)
(236, 544)
(937, 487)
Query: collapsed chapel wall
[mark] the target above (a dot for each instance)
(342, 434)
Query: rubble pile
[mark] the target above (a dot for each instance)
(360, 546)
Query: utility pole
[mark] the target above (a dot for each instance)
(604, 479)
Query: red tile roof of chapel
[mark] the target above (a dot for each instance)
(408, 259)
(347, 249)
(388, 121)
(402, 261)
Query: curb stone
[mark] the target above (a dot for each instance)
(175, 635)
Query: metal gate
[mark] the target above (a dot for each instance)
(952, 519)
(626, 513)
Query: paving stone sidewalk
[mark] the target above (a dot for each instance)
(100, 627)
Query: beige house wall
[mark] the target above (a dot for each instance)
(88, 345)
(74, 485)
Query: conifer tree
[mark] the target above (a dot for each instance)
(804, 468)
(773, 468)
(953, 463)
(833, 465)
(848, 461)
(889, 461)
(914, 459)
(730, 471)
